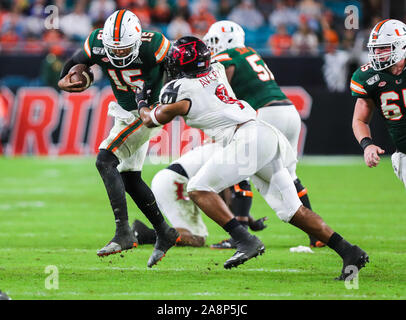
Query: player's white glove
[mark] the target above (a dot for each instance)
(116, 111)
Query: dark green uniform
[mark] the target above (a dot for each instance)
(252, 80)
(146, 69)
(389, 95)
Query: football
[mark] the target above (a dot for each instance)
(82, 74)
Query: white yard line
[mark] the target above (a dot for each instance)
(206, 294)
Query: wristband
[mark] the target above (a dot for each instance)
(153, 118)
(365, 142)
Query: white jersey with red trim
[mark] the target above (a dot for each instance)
(214, 107)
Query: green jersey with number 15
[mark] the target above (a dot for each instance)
(146, 69)
(252, 80)
(388, 92)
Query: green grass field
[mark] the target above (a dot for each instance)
(56, 213)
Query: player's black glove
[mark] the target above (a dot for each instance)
(257, 225)
(141, 97)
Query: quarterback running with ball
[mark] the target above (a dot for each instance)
(131, 58)
(381, 84)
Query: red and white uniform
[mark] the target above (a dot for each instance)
(255, 149)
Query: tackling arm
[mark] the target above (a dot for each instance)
(163, 113)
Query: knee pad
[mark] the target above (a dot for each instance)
(106, 160)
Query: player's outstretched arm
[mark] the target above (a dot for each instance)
(163, 113)
(363, 112)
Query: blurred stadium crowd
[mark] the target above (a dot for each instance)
(54, 29)
(282, 27)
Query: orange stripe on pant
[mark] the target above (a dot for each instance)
(125, 137)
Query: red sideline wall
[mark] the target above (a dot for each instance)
(33, 114)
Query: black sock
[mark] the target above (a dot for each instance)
(144, 199)
(245, 224)
(236, 230)
(107, 163)
(241, 201)
(339, 244)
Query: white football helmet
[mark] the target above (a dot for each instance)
(390, 36)
(122, 38)
(224, 35)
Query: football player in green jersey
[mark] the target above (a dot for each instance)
(131, 58)
(253, 82)
(381, 84)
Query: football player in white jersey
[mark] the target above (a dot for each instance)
(250, 148)
(169, 186)
(251, 80)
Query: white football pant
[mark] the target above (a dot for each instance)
(399, 165)
(170, 193)
(287, 120)
(260, 151)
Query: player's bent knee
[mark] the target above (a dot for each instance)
(106, 160)
(285, 215)
(194, 187)
(194, 195)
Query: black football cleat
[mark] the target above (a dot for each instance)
(163, 243)
(120, 242)
(357, 259)
(225, 244)
(245, 250)
(144, 234)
